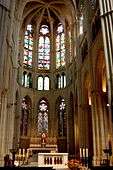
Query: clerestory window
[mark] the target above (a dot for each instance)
(28, 47)
(44, 48)
(60, 46)
(43, 83)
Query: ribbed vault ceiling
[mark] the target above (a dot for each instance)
(49, 10)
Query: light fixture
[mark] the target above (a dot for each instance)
(89, 100)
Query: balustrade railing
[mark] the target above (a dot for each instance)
(55, 160)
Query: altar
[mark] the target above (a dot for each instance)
(42, 157)
(41, 152)
(54, 160)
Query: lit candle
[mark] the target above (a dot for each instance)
(83, 152)
(80, 152)
(19, 153)
(23, 152)
(27, 153)
(87, 152)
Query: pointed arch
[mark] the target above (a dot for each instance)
(43, 82)
(28, 46)
(61, 114)
(71, 118)
(26, 105)
(44, 48)
(60, 46)
(42, 116)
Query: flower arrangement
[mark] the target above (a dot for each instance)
(74, 164)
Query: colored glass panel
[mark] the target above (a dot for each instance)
(60, 47)
(28, 46)
(64, 80)
(24, 117)
(46, 83)
(62, 118)
(40, 83)
(43, 117)
(44, 48)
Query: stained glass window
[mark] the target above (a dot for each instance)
(62, 118)
(81, 25)
(70, 45)
(43, 83)
(28, 46)
(27, 79)
(60, 47)
(46, 83)
(93, 3)
(24, 79)
(24, 117)
(64, 80)
(42, 116)
(40, 83)
(61, 81)
(44, 48)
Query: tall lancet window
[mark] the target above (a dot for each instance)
(42, 116)
(28, 46)
(44, 48)
(62, 120)
(60, 46)
(93, 3)
(25, 108)
(70, 45)
(43, 83)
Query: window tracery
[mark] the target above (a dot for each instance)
(43, 82)
(44, 48)
(28, 46)
(93, 3)
(25, 110)
(61, 81)
(70, 45)
(42, 116)
(61, 111)
(27, 79)
(60, 46)
(43, 62)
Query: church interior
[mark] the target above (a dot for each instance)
(56, 82)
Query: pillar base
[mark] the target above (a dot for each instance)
(96, 161)
(1, 162)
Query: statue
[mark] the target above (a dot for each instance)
(43, 137)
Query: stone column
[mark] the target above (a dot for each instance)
(98, 126)
(33, 124)
(101, 123)
(4, 20)
(106, 14)
(3, 127)
(95, 126)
